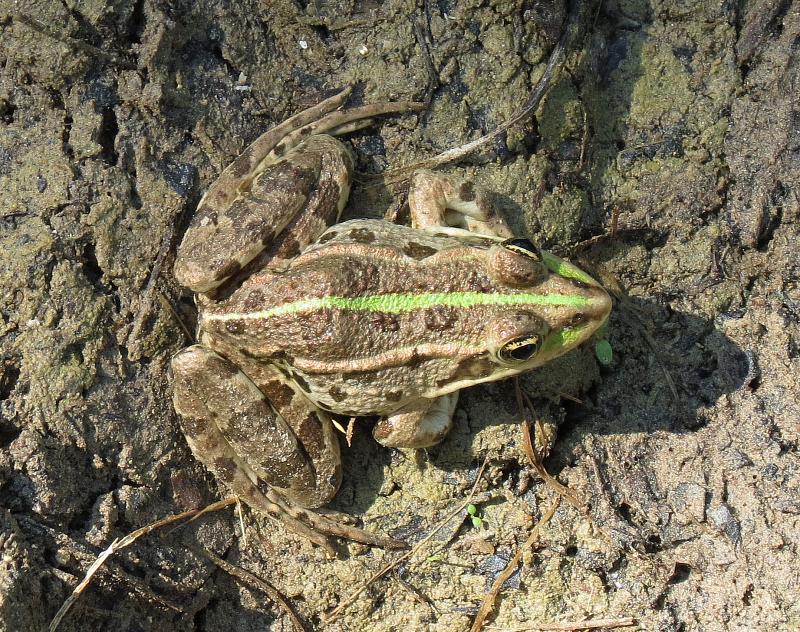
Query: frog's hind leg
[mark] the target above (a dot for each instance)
(223, 414)
(276, 198)
(275, 143)
(453, 206)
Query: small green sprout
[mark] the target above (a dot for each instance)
(603, 352)
(476, 520)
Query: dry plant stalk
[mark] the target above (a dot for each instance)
(488, 601)
(334, 614)
(121, 543)
(529, 447)
(264, 586)
(568, 626)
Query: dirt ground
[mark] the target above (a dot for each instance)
(664, 159)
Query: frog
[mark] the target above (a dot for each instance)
(303, 319)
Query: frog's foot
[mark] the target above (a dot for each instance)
(228, 468)
(421, 425)
(452, 206)
(278, 141)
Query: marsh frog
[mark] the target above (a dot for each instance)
(301, 317)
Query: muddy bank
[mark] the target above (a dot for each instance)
(664, 160)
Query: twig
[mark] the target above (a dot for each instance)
(147, 294)
(529, 447)
(265, 587)
(531, 103)
(587, 624)
(488, 601)
(84, 557)
(333, 614)
(121, 543)
(167, 304)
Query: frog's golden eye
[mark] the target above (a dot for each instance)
(524, 247)
(520, 349)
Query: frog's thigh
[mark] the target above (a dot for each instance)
(438, 201)
(421, 425)
(281, 207)
(231, 428)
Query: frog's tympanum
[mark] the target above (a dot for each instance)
(301, 317)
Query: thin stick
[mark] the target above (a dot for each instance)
(488, 601)
(121, 543)
(333, 614)
(265, 587)
(529, 447)
(587, 624)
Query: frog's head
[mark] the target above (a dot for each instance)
(555, 305)
(539, 308)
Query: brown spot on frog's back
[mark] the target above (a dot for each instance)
(337, 394)
(361, 235)
(418, 251)
(278, 393)
(466, 192)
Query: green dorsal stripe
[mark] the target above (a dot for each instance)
(403, 303)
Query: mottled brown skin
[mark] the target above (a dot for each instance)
(254, 395)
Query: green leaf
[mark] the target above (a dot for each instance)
(603, 352)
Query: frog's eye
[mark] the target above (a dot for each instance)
(524, 247)
(518, 263)
(520, 349)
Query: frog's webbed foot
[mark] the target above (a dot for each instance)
(420, 425)
(453, 206)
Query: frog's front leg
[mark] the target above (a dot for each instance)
(419, 425)
(245, 441)
(453, 206)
